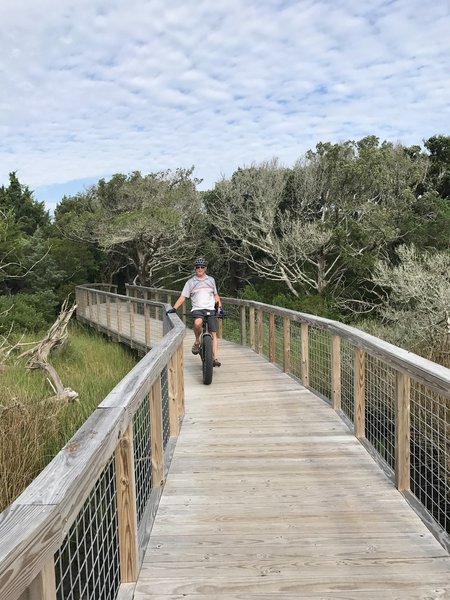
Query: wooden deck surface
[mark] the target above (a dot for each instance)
(270, 496)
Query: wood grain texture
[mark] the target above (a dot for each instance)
(270, 495)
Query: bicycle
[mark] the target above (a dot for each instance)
(206, 343)
(206, 347)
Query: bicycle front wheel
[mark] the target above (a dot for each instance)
(207, 359)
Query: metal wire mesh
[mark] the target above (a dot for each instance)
(87, 564)
(430, 452)
(380, 395)
(263, 335)
(279, 345)
(231, 324)
(165, 406)
(347, 379)
(319, 350)
(296, 349)
(142, 457)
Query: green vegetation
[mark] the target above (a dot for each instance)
(33, 427)
(356, 231)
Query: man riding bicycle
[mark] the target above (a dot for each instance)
(202, 290)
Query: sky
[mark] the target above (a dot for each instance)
(89, 88)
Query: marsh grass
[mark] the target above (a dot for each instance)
(32, 427)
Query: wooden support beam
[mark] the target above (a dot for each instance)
(252, 327)
(126, 507)
(336, 372)
(43, 586)
(286, 344)
(243, 327)
(156, 426)
(180, 381)
(108, 312)
(403, 432)
(260, 331)
(359, 392)
(304, 371)
(147, 329)
(174, 423)
(272, 347)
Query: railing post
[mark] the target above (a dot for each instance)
(359, 392)
(252, 327)
(156, 307)
(43, 586)
(336, 372)
(271, 337)
(243, 327)
(304, 332)
(156, 435)
(97, 301)
(286, 344)
(180, 381)
(220, 328)
(131, 317)
(108, 312)
(147, 324)
(174, 423)
(119, 318)
(91, 314)
(126, 507)
(260, 331)
(402, 432)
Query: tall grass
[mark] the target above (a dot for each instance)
(32, 427)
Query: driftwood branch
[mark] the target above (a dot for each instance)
(38, 356)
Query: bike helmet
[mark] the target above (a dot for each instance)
(200, 261)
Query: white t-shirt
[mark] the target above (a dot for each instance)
(201, 292)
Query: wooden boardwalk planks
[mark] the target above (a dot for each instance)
(269, 495)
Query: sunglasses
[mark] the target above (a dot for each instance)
(200, 267)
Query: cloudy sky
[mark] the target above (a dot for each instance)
(89, 88)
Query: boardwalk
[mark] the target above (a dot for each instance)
(270, 496)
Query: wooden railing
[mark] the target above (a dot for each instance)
(80, 529)
(397, 403)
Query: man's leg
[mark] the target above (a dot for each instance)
(215, 343)
(197, 331)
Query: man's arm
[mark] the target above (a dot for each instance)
(179, 302)
(217, 299)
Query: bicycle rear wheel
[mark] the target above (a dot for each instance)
(207, 359)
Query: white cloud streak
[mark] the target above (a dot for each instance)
(94, 87)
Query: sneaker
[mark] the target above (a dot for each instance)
(196, 348)
(216, 363)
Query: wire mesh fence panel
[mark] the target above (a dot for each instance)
(165, 406)
(265, 335)
(347, 379)
(142, 457)
(231, 323)
(380, 397)
(296, 349)
(319, 348)
(430, 452)
(279, 342)
(87, 564)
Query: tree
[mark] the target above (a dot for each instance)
(439, 174)
(28, 212)
(418, 297)
(147, 223)
(312, 226)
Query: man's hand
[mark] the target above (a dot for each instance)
(171, 311)
(220, 312)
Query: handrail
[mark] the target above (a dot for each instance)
(396, 401)
(107, 478)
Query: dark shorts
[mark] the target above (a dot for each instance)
(212, 319)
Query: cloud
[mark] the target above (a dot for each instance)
(94, 87)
